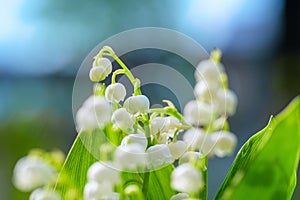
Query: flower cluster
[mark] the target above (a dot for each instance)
(35, 172)
(145, 138)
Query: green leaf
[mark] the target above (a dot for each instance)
(265, 167)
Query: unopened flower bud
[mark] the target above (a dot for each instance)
(105, 64)
(158, 155)
(137, 104)
(139, 138)
(42, 194)
(198, 113)
(97, 74)
(225, 143)
(190, 156)
(115, 92)
(186, 178)
(100, 172)
(123, 120)
(32, 172)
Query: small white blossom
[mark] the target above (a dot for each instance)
(209, 72)
(180, 196)
(123, 120)
(198, 113)
(226, 102)
(190, 156)
(94, 190)
(100, 70)
(177, 148)
(186, 178)
(158, 155)
(138, 138)
(42, 194)
(131, 157)
(197, 139)
(100, 172)
(204, 92)
(32, 172)
(225, 143)
(97, 74)
(137, 104)
(115, 92)
(172, 123)
(219, 123)
(94, 113)
(157, 125)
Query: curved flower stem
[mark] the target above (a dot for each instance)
(134, 81)
(146, 184)
(117, 72)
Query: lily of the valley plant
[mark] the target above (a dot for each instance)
(142, 141)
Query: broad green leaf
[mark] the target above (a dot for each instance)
(265, 167)
(86, 150)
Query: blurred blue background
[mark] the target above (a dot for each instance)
(42, 44)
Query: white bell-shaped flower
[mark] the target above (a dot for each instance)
(226, 102)
(95, 190)
(103, 172)
(197, 139)
(209, 72)
(225, 143)
(172, 123)
(198, 113)
(123, 120)
(138, 138)
(158, 125)
(115, 92)
(137, 104)
(177, 148)
(97, 74)
(219, 123)
(104, 63)
(186, 178)
(95, 113)
(204, 92)
(131, 157)
(180, 196)
(42, 194)
(32, 172)
(190, 156)
(159, 155)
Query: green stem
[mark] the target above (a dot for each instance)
(204, 170)
(146, 184)
(114, 75)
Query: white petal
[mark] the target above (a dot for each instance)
(115, 92)
(225, 143)
(199, 140)
(209, 72)
(177, 148)
(186, 178)
(97, 74)
(190, 156)
(123, 120)
(106, 64)
(226, 102)
(139, 138)
(41, 194)
(157, 125)
(159, 155)
(94, 190)
(103, 172)
(137, 104)
(32, 172)
(180, 196)
(131, 157)
(198, 113)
